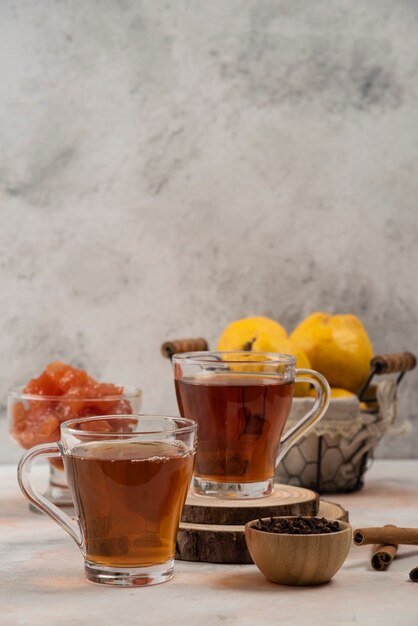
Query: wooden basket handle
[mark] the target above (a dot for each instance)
(183, 345)
(391, 363)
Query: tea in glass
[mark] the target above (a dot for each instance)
(241, 420)
(122, 523)
(241, 401)
(128, 476)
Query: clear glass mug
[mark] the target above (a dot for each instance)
(241, 401)
(128, 476)
(35, 419)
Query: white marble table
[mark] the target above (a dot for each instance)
(42, 579)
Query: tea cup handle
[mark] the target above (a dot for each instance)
(24, 470)
(318, 410)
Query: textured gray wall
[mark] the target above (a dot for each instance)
(167, 167)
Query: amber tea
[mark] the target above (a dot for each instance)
(241, 401)
(241, 418)
(128, 498)
(128, 476)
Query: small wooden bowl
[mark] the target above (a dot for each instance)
(298, 559)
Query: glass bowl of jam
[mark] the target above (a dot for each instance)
(62, 392)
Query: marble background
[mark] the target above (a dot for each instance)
(167, 167)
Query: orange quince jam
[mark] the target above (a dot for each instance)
(64, 392)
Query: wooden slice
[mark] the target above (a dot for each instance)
(331, 510)
(217, 543)
(212, 544)
(285, 500)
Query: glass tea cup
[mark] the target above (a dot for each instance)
(128, 476)
(241, 401)
(34, 419)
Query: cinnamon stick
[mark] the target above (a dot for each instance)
(386, 535)
(413, 575)
(383, 554)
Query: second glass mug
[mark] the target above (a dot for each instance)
(241, 401)
(128, 476)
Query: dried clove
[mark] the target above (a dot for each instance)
(298, 525)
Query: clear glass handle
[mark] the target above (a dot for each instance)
(317, 411)
(24, 470)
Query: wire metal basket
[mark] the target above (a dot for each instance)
(337, 452)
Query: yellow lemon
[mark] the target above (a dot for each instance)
(251, 358)
(262, 334)
(243, 333)
(337, 346)
(267, 343)
(336, 392)
(286, 346)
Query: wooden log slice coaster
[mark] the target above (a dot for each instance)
(331, 510)
(212, 544)
(217, 543)
(285, 500)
